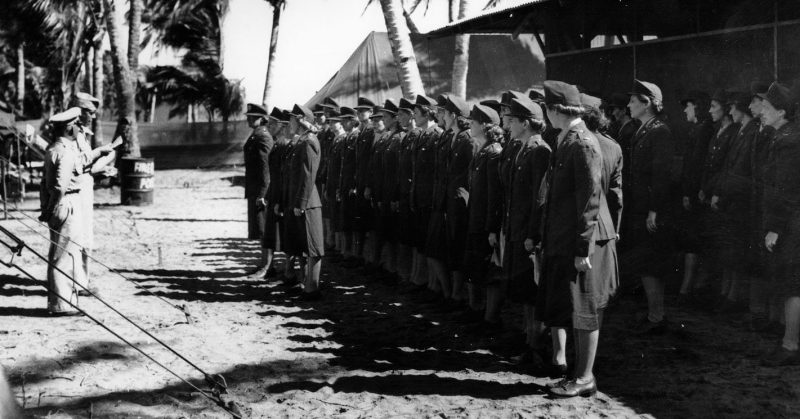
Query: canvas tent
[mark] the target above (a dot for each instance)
(496, 63)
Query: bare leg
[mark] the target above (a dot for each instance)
(313, 267)
(443, 278)
(585, 352)
(458, 285)
(654, 288)
(494, 302)
(689, 270)
(559, 336)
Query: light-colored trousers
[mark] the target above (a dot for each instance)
(64, 254)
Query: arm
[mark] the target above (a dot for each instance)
(263, 148)
(614, 195)
(63, 165)
(588, 165)
(541, 159)
(661, 166)
(305, 175)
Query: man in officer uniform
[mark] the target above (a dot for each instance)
(347, 184)
(61, 210)
(257, 179)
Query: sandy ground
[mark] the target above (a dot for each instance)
(367, 350)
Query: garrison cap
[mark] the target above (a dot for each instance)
(646, 88)
(695, 96)
(423, 100)
(759, 88)
(329, 102)
(457, 106)
(376, 113)
(390, 106)
(441, 100)
(526, 108)
(406, 105)
(720, 96)
(536, 95)
(492, 103)
(619, 100)
(364, 104)
(318, 109)
(302, 112)
(780, 96)
(508, 96)
(591, 102)
(286, 116)
(347, 112)
(560, 93)
(276, 114)
(85, 101)
(256, 110)
(740, 99)
(67, 117)
(334, 115)
(484, 114)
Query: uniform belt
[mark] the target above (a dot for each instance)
(72, 192)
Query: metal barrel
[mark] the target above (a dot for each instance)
(136, 179)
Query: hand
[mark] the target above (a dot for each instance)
(529, 246)
(261, 203)
(701, 196)
(493, 240)
(277, 210)
(298, 212)
(353, 192)
(105, 149)
(687, 203)
(770, 240)
(367, 194)
(463, 194)
(651, 222)
(582, 264)
(44, 217)
(338, 196)
(715, 203)
(395, 206)
(110, 171)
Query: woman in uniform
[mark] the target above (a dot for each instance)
(333, 167)
(484, 215)
(781, 219)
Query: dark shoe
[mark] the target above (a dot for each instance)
(572, 388)
(415, 289)
(294, 291)
(311, 296)
(647, 327)
(259, 273)
(781, 356)
(92, 292)
(271, 272)
(561, 382)
(469, 316)
(487, 328)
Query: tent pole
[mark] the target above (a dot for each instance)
(775, 40)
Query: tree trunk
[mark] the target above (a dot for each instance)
(21, 79)
(122, 83)
(461, 58)
(134, 34)
(98, 76)
(452, 10)
(412, 27)
(402, 49)
(273, 46)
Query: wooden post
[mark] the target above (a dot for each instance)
(5, 189)
(19, 171)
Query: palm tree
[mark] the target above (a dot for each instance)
(126, 102)
(402, 50)
(277, 6)
(461, 58)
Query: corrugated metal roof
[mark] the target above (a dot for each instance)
(498, 12)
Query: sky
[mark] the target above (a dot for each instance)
(316, 38)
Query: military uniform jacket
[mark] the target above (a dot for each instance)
(390, 167)
(286, 172)
(521, 204)
(782, 212)
(736, 181)
(439, 199)
(612, 180)
(694, 157)
(62, 170)
(325, 138)
(406, 167)
(760, 158)
(334, 167)
(651, 162)
(347, 173)
(375, 182)
(256, 163)
(462, 149)
(424, 166)
(276, 157)
(485, 195)
(574, 195)
(304, 164)
(717, 152)
(364, 144)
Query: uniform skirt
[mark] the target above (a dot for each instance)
(304, 233)
(422, 217)
(518, 271)
(457, 225)
(256, 218)
(405, 226)
(436, 238)
(363, 218)
(733, 239)
(477, 258)
(647, 254)
(272, 224)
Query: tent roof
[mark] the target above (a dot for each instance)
(496, 63)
